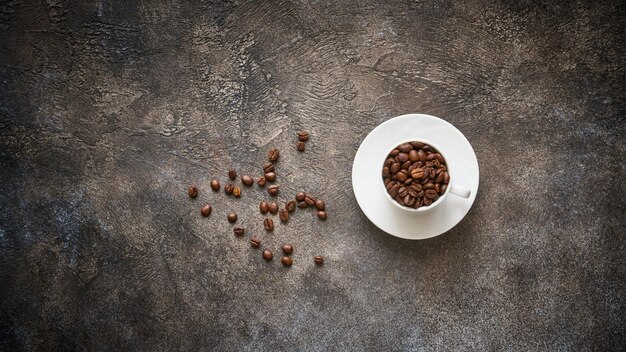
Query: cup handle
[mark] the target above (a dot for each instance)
(460, 191)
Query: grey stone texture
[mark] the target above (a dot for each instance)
(109, 110)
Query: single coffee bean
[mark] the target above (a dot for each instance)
(267, 255)
(402, 157)
(270, 176)
(268, 167)
(430, 156)
(237, 191)
(438, 187)
(417, 145)
(428, 186)
(239, 230)
(416, 186)
(303, 136)
(268, 224)
(302, 205)
(318, 259)
(232, 217)
(393, 191)
(247, 180)
(206, 210)
(403, 191)
(385, 171)
(405, 147)
(427, 201)
(287, 248)
(395, 167)
(430, 193)
(192, 192)
(273, 208)
(413, 156)
(408, 181)
(320, 205)
(426, 148)
(322, 215)
(446, 178)
(417, 173)
(443, 189)
(300, 196)
(439, 178)
(255, 242)
(261, 181)
(421, 155)
(389, 161)
(273, 154)
(284, 215)
(273, 190)
(412, 192)
(232, 174)
(290, 206)
(215, 185)
(309, 199)
(300, 146)
(264, 207)
(401, 176)
(405, 165)
(228, 188)
(286, 261)
(440, 158)
(394, 152)
(408, 200)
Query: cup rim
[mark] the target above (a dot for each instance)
(422, 208)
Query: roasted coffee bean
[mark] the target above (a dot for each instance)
(417, 173)
(402, 157)
(320, 205)
(303, 136)
(399, 199)
(393, 191)
(446, 178)
(264, 207)
(403, 191)
(416, 186)
(394, 152)
(286, 261)
(386, 181)
(430, 193)
(438, 187)
(270, 176)
(439, 178)
(428, 185)
(273, 190)
(405, 166)
(395, 167)
(247, 180)
(261, 181)
(232, 174)
(267, 255)
(273, 154)
(443, 189)
(318, 259)
(236, 191)
(239, 230)
(412, 192)
(322, 215)
(401, 175)
(268, 224)
(268, 167)
(302, 205)
(255, 242)
(417, 145)
(215, 185)
(427, 201)
(413, 157)
(440, 158)
(206, 210)
(426, 148)
(309, 199)
(421, 155)
(408, 200)
(290, 206)
(192, 192)
(287, 248)
(388, 162)
(228, 188)
(300, 146)
(300, 196)
(408, 181)
(385, 171)
(232, 217)
(430, 156)
(273, 208)
(405, 147)
(283, 214)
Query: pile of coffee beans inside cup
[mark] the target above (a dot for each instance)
(415, 174)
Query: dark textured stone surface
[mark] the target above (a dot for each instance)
(110, 109)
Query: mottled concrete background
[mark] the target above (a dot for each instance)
(110, 109)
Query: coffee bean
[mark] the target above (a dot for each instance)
(394, 152)
(405, 166)
(417, 145)
(264, 207)
(303, 136)
(206, 210)
(255, 242)
(401, 175)
(421, 155)
(389, 161)
(408, 200)
(402, 157)
(430, 193)
(385, 171)
(426, 148)
(322, 215)
(427, 201)
(320, 205)
(273, 208)
(267, 255)
(232, 174)
(300, 146)
(192, 192)
(287, 248)
(428, 185)
(395, 167)
(268, 167)
(416, 186)
(290, 206)
(273, 154)
(300, 196)
(268, 224)
(408, 181)
(270, 176)
(247, 180)
(261, 181)
(236, 191)
(438, 187)
(446, 178)
(232, 217)
(309, 199)
(413, 157)
(215, 185)
(393, 191)
(318, 259)
(403, 191)
(405, 147)
(417, 173)
(286, 261)
(283, 214)
(439, 178)
(430, 156)
(443, 189)
(302, 205)
(228, 188)
(239, 231)
(273, 190)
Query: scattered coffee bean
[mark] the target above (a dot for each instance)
(290, 206)
(273, 154)
(232, 217)
(255, 242)
(287, 248)
(273, 208)
(284, 215)
(309, 199)
(300, 196)
(228, 188)
(320, 205)
(318, 259)
(302, 205)
(322, 215)
(192, 192)
(247, 180)
(239, 231)
(232, 174)
(267, 255)
(237, 191)
(270, 176)
(273, 190)
(268, 224)
(264, 207)
(286, 261)
(268, 167)
(303, 136)
(215, 185)
(300, 146)
(206, 210)
(261, 181)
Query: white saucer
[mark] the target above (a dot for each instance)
(367, 168)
